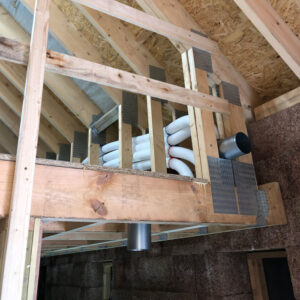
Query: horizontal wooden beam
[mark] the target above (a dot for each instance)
(265, 18)
(82, 69)
(151, 23)
(282, 102)
(64, 190)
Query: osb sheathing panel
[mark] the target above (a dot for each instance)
(244, 46)
(224, 22)
(164, 52)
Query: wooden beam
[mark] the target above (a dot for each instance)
(89, 71)
(63, 87)
(7, 139)
(148, 22)
(2, 150)
(265, 18)
(52, 109)
(75, 42)
(98, 193)
(174, 12)
(125, 142)
(280, 103)
(10, 95)
(87, 236)
(21, 197)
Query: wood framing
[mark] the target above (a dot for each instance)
(278, 104)
(146, 21)
(275, 31)
(19, 217)
(174, 12)
(89, 71)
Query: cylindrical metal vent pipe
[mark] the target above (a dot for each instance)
(234, 146)
(139, 237)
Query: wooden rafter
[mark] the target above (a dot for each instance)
(63, 87)
(174, 12)
(275, 31)
(143, 20)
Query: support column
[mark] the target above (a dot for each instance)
(155, 122)
(19, 218)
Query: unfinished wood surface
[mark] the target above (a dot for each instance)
(156, 136)
(93, 150)
(106, 120)
(13, 100)
(86, 70)
(204, 119)
(8, 140)
(278, 104)
(21, 195)
(63, 87)
(35, 257)
(125, 142)
(277, 213)
(2, 150)
(100, 194)
(192, 117)
(52, 109)
(234, 123)
(274, 30)
(3, 231)
(174, 12)
(74, 42)
(143, 20)
(257, 278)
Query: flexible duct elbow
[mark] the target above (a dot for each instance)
(183, 153)
(178, 124)
(180, 167)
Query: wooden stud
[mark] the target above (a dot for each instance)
(93, 150)
(15, 251)
(204, 119)
(35, 260)
(156, 136)
(125, 142)
(192, 117)
(234, 123)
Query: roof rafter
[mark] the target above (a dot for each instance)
(275, 31)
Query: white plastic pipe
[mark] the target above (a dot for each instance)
(183, 153)
(179, 136)
(180, 167)
(178, 124)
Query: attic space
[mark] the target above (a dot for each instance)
(149, 149)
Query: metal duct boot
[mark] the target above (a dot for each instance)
(234, 146)
(139, 237)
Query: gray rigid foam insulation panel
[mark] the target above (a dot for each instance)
(222, 186)
(202, 60)
(64, 152)
(80, 144)
(245, 182)
(24, 17)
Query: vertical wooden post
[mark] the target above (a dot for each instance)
(204, 119)
(15, 251)
(35, 260)
(156, 126)
(192, 117)
(125, 142)
(156, 135)
(93, 150)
